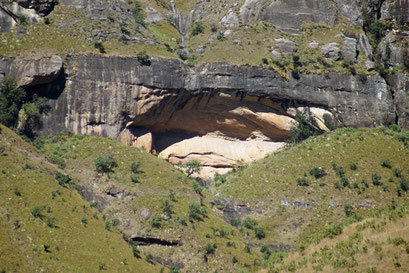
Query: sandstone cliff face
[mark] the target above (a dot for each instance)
(218, 113)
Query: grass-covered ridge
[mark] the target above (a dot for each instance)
(177, 210)
(48, 227)
(322, 180)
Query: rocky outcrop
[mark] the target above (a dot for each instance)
(216, 112)
(395, 10)
(393, 50)
(288, 16)
(13, 13)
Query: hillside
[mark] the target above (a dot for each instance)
(48, 227)
(204, 136)
(298, 190)
(136, 206)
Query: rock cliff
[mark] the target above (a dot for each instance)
(321, 58)
(220, 113)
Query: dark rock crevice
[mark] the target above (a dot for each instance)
(154, 241)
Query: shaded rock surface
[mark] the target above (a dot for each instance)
(221, 113)
(288, 16)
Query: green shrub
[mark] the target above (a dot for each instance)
(172, 196)
(344, 182)
(62, 179)
(259, 232)
(11, 101)
(234, 260)
(213, 27)
(196, 212)
(376, 179)
(210, 248)
(303, 128)
(2, 149)
(303, 181)
(60, 162)
(349, 210)
(174, 269)
(197, 27)
(235, 222)
(397, 241)
(339, 171)
(386, 163)
(197, 188)
(397, 172)
(50, 221)
(404, 184)
(353, 166)
(135, 167)
(143, 58)
(156, 222)
(318, 172)
(136, 252)
(220, 36)
(115, 222)
(100, 46)
(37, 212)
(249, 223)
(105, 164)
(138, 15)
(167, 208)
(134, 178)
(17, 191)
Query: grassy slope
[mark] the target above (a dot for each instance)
(157, 178)
(268, 184)
(73, 246)
(256, 41)
(376, 244)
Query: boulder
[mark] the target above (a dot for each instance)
(351, 11)
(349, 49)
(216, 152)
(313, 45)
(250, 10)
(286, 46)
(152, 15)
(391, 50)
(230, 20)
(395, 10)
(331, 51)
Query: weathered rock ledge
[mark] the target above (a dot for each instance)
(217, 113)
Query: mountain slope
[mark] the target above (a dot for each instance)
(357, 170)
(46, 227)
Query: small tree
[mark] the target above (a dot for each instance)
(303, 129)
(191, 167)
(63, 179)
(11, 100)
(197, 188)
(105, 164)
(135, 166)
(197, 28)
(143, 58)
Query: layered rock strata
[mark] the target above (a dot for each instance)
(218, 113)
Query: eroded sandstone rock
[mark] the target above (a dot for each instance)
(288, 16)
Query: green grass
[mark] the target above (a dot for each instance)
(271, 185)
(156, 179)
(65, 244)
